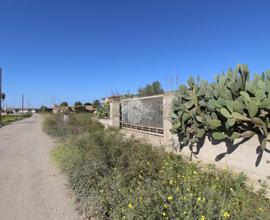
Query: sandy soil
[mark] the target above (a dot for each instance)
(30, 186)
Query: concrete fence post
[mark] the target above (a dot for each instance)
(115, 111)
(167, 108)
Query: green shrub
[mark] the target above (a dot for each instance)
(103, 111)
(7, 119)
(79, 109)
(118, 178)
(62, 125)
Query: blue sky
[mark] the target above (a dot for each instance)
(55, 50)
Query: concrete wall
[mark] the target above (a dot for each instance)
(239, 157)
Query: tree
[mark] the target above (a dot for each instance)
(44, 109)
(128, 94)
(78, 103)
(151, 89)
(96, 104)
(78, 107)
(3, 96)
(87, 103)
(64, 104)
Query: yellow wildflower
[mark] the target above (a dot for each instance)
(226, 214)
(130, 205)
(163, 213)
(261, 209)
(199, 199)
(202, 217)
(170, 198)
(165, 206)
(171, 182)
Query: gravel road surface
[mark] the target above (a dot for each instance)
(31, 188)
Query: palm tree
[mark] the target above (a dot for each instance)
(96, 104)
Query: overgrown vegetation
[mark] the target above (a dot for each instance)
(118, 178)
(7, 119)
(232, 107)
(151, 89)
(103, 111)
(79, 107)
(44, 109)
(60, 125)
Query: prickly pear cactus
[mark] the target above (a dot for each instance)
(232, 107)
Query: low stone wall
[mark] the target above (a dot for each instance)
(241, 156)
(238, 157)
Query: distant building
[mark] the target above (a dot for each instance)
(61, 109)
(19, 110)
(55, 109)
(90, 108)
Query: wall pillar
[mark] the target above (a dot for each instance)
(115, 111)
(167, 125)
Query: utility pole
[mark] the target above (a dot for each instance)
(28, 104)
(0, 97)
(22, 104)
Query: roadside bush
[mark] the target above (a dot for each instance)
(79, 109)
(62, 125)
(28, 115)
(118, 178)
(7, 119)
(103, 111)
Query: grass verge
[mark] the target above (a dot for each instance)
(118, 178)
(7, 119)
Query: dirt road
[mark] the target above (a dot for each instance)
(31, 188)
